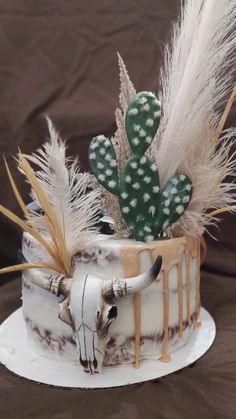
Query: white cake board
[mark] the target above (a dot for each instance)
(17, 355)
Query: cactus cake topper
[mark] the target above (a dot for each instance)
(146, 209)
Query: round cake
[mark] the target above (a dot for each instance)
(149, 325)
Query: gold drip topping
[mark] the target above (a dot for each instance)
(172, 256)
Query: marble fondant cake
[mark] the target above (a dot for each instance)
(149, 325)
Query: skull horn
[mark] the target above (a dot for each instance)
(119, 287)
(55, 283)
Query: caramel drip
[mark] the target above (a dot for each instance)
(188, 287)
(171, 256)
(165, 357)
(180, 297)
(198, 296)
(131, 267)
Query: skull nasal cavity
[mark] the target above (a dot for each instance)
(112, 313)
(84, 363)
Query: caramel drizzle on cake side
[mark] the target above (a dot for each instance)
(171, 256)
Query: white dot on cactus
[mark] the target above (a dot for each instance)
(100, 165)
(175, 181)
(142, 100)
(146, 107)
(180, 209)
(136, 185)
(108, 157)
(146, 197)
(100, 138)
(111, 184)
(153, 167)
(165, 194)
(147, 229)
(128, 179)
(156, 102)
(106, 143)
(133, 203)
(186, 198)
(108, 172)
(152, 210)
(140, 172)
(134, 165)
(94, 145)
(149, 122)
(188, 187)
(135, 141)
(136, 128)
(157, 114)
(166, 211)
(133, 111)
(148, 140)
(173, 191)
(140, 218)
(102, 151)
(147, 179)
(101, 177)
(150, 94)
(113, 163)
(124, 195)
(182, 177)
(143, 160)
(177, 199)
(149, 238)
(167, 202)
(92, 156)
(156, 189)
(165, 224)
(125, 210)
(142, 133)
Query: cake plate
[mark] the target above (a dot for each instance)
(19, 357)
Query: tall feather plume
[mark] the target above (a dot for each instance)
(121, 146)
(66, 224)
(196, 80)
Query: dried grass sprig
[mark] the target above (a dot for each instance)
(15, 190)
(122, 148)
(225, 115)
(26, 266)
(33, 232)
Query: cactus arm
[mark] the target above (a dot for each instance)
(142, 120)
(175, 198)
(103, 163)
(139, 196)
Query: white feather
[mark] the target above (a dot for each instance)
(196, 80)
(65, 188)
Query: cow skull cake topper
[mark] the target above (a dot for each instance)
(90, 307)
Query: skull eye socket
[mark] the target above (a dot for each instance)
(112, 314)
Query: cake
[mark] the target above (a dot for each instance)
(149, 325)
(131, 296)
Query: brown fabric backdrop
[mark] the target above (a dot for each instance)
(59, 59)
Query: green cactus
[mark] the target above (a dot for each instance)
(175, 198)
(102, 158)
(146, 210)
(142, 120)
(139, 191)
